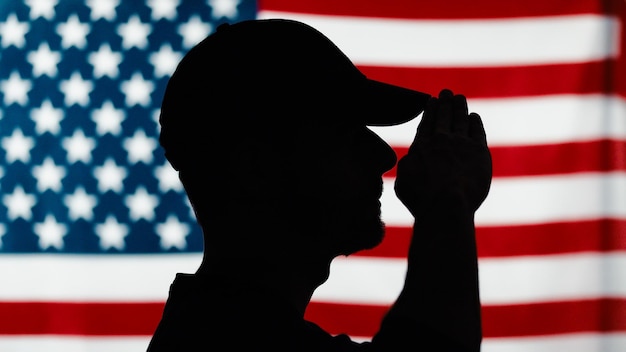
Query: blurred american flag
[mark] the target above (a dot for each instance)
(94, 223)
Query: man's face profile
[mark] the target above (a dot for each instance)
(341, 184)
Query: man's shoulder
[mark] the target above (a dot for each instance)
(213, 314)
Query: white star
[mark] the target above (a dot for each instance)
(47, 118)
(224, 8)
(78, 147)
(108, 119)
(80, 204)
(102, 9)
(111, 234)
(12, 31)
(168, 178)
(140, 147)
(41, 8)
(137, 90)
(110, 176)
(19, 204)
(44, 61)
(50, 233)
(76, 90)
(105, 62)
(48, 175)
(17, 147)
(163, 9)
(3, 231)
(172, 233)
(134, 33)
(164, 61)
(15, 89)
(194, 31)
(73, 32)
(141, 204)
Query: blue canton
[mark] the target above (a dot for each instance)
(81, 82)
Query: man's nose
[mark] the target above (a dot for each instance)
(378, 153)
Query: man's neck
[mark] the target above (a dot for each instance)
(294, 282)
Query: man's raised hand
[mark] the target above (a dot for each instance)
(449, 159)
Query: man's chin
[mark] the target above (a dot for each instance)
(365, 239)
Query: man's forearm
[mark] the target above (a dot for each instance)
(441, 287)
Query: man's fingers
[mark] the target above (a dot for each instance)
(476, 130)
(443, 120)
(445, 94)
(460, 121)
(448, 114)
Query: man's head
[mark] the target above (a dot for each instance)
(266, 122)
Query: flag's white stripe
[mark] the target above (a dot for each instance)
(536, 120)
(536, 199)
(76, 278)
(555, 277)
(578, 342)
(581, 342)
(584, 342)
(353, 280)
(502, 280)
(38, 343)
(484, 42)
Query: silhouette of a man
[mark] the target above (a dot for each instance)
(266, 122)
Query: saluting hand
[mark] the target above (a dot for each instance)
(449, 159)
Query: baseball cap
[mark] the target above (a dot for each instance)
(269, 71)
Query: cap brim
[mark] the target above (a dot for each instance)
(388, 105)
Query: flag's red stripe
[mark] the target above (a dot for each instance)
(550, 159)
(617, 69)
(588, 156)
(450, 9)
(600, 315)
(602, 235)
(501, 82)
(140, 319)
(603, 315)
(95, 319)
